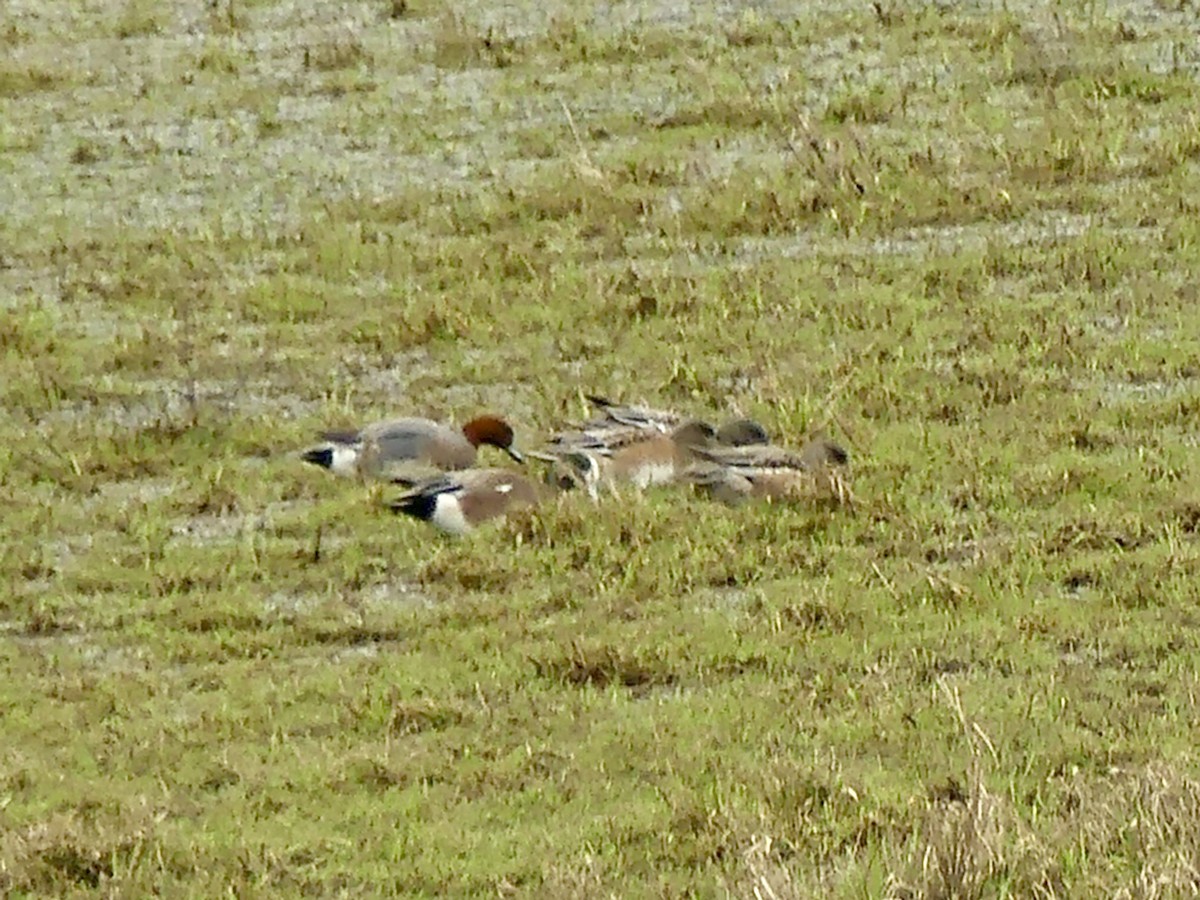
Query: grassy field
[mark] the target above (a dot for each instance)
(963, 239)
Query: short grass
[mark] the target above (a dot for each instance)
(962, 238)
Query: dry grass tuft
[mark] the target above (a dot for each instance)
(71, 853)
(340, 49)
(458, 43)
(971, 839)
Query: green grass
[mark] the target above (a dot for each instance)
(962, 242)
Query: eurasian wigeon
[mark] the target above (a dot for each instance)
(616, 419)
(735, 474)
(742, 433)
(656, 459)
(572, 470)
(641, 417)
(411, 447)
(639, 445)
(458, 502)
(628, 455)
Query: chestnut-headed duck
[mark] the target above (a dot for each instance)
(411, 447)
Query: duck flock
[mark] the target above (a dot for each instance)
(619, 445)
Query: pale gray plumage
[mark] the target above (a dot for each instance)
(410, 448)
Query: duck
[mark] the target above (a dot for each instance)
(573, 470)
(619, 419)
(457, 503)
(733, 475)
(742, 433)
(410, 447)
(644, 418)
(652, 459)
(632, 454)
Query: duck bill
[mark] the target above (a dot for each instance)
(515, 454)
